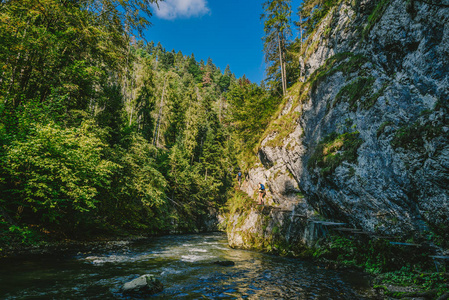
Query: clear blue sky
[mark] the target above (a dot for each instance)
(227, 31)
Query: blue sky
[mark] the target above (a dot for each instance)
(228, 31)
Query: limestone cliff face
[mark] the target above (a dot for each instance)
(369, 145)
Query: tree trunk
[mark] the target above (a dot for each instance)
(285, 76)
(281, 62)
(131, 102)
(156, 131)
(300, 43)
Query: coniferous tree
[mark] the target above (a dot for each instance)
(277, 19)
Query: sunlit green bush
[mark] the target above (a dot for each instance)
(57, 171)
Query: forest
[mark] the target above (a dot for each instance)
(105, 133)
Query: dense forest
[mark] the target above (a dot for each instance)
(102, 132)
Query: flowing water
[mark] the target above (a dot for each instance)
(184, 264)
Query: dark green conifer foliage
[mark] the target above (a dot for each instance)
(167, 60)
(110, 116)
(194, 69)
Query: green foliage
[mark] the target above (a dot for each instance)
(282, 127)
(224, 82)
(435, 283)
(136, 198)
(168, 60)
(251, 110)
(412, 137)
(333, 150)
(340, 249)
(56, 172)
(110, 117)
(100, 133)
(392, 264)
(239, 203)
(277, 23)
(440, 235)
(195, 70)
(142, 180)
(376, 256)
(354, 92)
(313, 12)
(49, 45)
(375, 16)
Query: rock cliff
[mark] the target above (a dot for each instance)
(363, 139)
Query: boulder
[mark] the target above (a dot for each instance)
(143, 285)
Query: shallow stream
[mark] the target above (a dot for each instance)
(184, 264)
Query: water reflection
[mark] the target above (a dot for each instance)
(185, 266)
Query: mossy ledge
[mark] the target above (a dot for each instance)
(333, 150)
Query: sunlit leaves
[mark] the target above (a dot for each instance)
(58, 170)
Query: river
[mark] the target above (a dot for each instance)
(184, 264)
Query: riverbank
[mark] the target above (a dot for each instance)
(61, 245)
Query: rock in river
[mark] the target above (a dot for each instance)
(226, 263)
(145, 284)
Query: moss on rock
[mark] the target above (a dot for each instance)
(333, 150)
(375, 16)
(412, 137)
(354, 92)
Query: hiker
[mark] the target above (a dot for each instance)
(261, 193)
(239, 178)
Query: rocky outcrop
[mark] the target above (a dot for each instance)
(370, 141)
(143, 285)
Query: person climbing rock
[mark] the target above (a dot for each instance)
(239, 178)
(261, 193)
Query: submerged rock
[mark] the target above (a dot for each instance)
(226, 263)
(144, 285)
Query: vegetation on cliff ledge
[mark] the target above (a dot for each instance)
(414, 136)
(333, 150)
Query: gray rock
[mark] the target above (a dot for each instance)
(398, 182)
(143, 285)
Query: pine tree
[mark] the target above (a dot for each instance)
(277, 19)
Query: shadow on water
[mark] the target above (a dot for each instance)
(183, 263)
